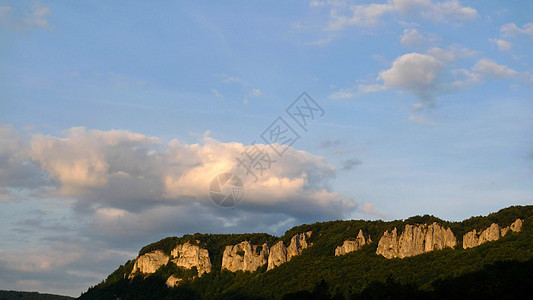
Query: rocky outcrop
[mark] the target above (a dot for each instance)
(277, 256)
(415, 239)
(149, 263)
(188, 255)
(184, 255)
(244, 257)
(517, 225)
(493, 233)
(173, 281)
(298, 243)
(350, 246)
(388, 244)
(280, 254)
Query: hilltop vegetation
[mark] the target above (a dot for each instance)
(499, 268)
(12, 295)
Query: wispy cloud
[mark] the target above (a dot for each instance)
(328, 144)
(231, 79)
(511, 30)
(343, 15)
(349, 164)
(502, 45)
(37, 18)
(216, 93)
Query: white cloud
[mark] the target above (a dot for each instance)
(411, 37)
(486, 69)
(342, 15)
(120, 170)
(452, 53)
(79, 161)
(372, 88)
(463, 79)
(413, 72)
(502, 45)
(343, 94)
(490, 69)
(417, 73)
(361, 15)
(16, 169)
(428, 76)
(440, 11)
(511, 29)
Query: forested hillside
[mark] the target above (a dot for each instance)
(497, 269)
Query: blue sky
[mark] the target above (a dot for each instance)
(115, 117)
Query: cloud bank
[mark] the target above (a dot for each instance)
(132, 172)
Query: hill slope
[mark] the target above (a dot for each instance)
(495, 269)
(11, 295)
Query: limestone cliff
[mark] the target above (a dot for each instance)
(150, 262)
(492, 233)
(188, 255)
(415, 239)
(350, 246)
(298, 243)
(280, 254)
(244, 257)
(184, 255)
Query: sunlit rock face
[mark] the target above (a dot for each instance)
(388, 244)
(517, 225)
(183, 255)
(492, 233)
(188, 255)
(414, 240)
(279, 254)
(350, 246)
(244, 257)
(298, 243)
(173, 281)
(149, 263)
